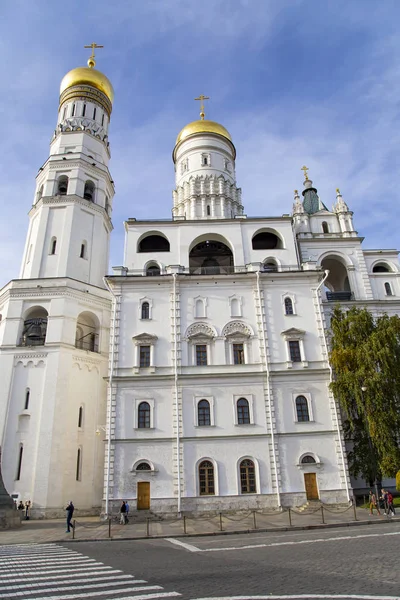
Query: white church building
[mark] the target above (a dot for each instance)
(202, 361)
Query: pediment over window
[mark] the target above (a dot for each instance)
(145, 338)
(293, 334)
(236, 328)
(202, 330)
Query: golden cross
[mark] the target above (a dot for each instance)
(202, 98)
(305, 169)
(91, 61)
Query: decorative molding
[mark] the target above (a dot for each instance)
(293, 334)
(145, 339)
(200, 330)
(235, 328)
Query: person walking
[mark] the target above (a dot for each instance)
(127, 511)
(384, 499)
(390, 504)
(21, 505)
(27, 510)
(122, 511)
(373, 504)
(70, 511)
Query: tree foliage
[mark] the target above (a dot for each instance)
(365, 353)
(398, 481)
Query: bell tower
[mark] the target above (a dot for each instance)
(70, 219)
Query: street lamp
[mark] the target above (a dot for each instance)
(371, 450)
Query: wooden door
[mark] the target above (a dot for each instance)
(310, 480)
(143, 495)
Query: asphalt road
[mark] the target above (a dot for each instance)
(360, 561)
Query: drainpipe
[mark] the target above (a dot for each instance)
(110, 384)
(331, 380)
(278, 495)
(176, 393)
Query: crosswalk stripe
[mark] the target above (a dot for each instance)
(85, 587)
(32, 572)
(48, 562)
(36, 552)
(57, 580)
(142, 597)
(102, 593)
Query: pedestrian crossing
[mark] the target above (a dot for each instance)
(52, 572)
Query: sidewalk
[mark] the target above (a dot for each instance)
(94, 529)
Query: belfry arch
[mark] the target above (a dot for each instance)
(337, 284)
(211, 256)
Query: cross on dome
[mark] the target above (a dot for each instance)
(202, 98)
(91, 62)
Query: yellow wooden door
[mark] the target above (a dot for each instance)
(143, 495)
(310, 480)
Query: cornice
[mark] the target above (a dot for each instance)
(86, 92)
(73, 199)
(50, 293)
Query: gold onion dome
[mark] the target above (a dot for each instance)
(88, 76)
(203, 126)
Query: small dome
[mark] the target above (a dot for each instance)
(88, 76)
(203, 126)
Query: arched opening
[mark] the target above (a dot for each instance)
(143, 466)
(87, 332)
(210, 257)
(243, 411)
(270, 266)
(208, 210)
(144, 415)
(381, 268)
(206, 478)
(78, 465)
(53, 245)
(27, 398)
(266, 240)
(80, 417)
(203, 413)
(19, 465)
(62, 185)
(82, 253)
(145, 313)
(302, 411)
(154, 243)
(247, 477)
(35, 327)
(308, 460)
(153, 269)
(288, 306)
(84, 110)
(388, 289)
(88, 192)
(200, 309)
(337, 284)
(325, 228)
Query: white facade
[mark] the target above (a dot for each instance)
(218, 372)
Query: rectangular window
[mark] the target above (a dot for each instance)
(79, 465)
(21, 451)
(94, 113)
(294, 348)
(144, 356)
(201, 355)
(84, 110)
(102, 119)
(238, 354)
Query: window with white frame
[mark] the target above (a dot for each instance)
(237, 342)
(200, 337)
(184, 165)
(205, 160)
(302, 407)
(200, 307)
(143, 413)
(247, 477)
(144, 350)
(204, 411)
(145, 309)
(295, 346)
(288, 304)
(243, 411)
(206, 478)
(388, 289)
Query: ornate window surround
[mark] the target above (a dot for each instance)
(293, 299)
(317, 465)
(200, 333)
(141, 472)
(237, 332)
(144, 339)
(294, 334)
(239, 300)
(204, 300)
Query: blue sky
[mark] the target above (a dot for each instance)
(313, 82)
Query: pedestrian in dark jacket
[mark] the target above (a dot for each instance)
(70, 511)
(122, 511)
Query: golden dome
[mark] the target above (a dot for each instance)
(88, 76)
(203, 126)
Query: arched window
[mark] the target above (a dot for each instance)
(200, 308)
(27, 397)
(208, 210)
(144, 415)
(79, 465)
(206, 478)
(266, 240)
(243, 411)
(302, 409)
(388, 289)
(19, 465)
(145, 310)
(288, 306)
(62, 185)
(88, 192)
(381, 268)
(235, 308)
(53, 245)
(153, 270)
(143, 466)
(270, 266)
(308, 460)
(247, 477)
(325, 227)
(87, 332)
(83, 250)
(35, 327)
(80, 416)
(84, 110)
(203, 413)
(154, 243)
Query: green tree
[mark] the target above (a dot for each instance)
(365, 356)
